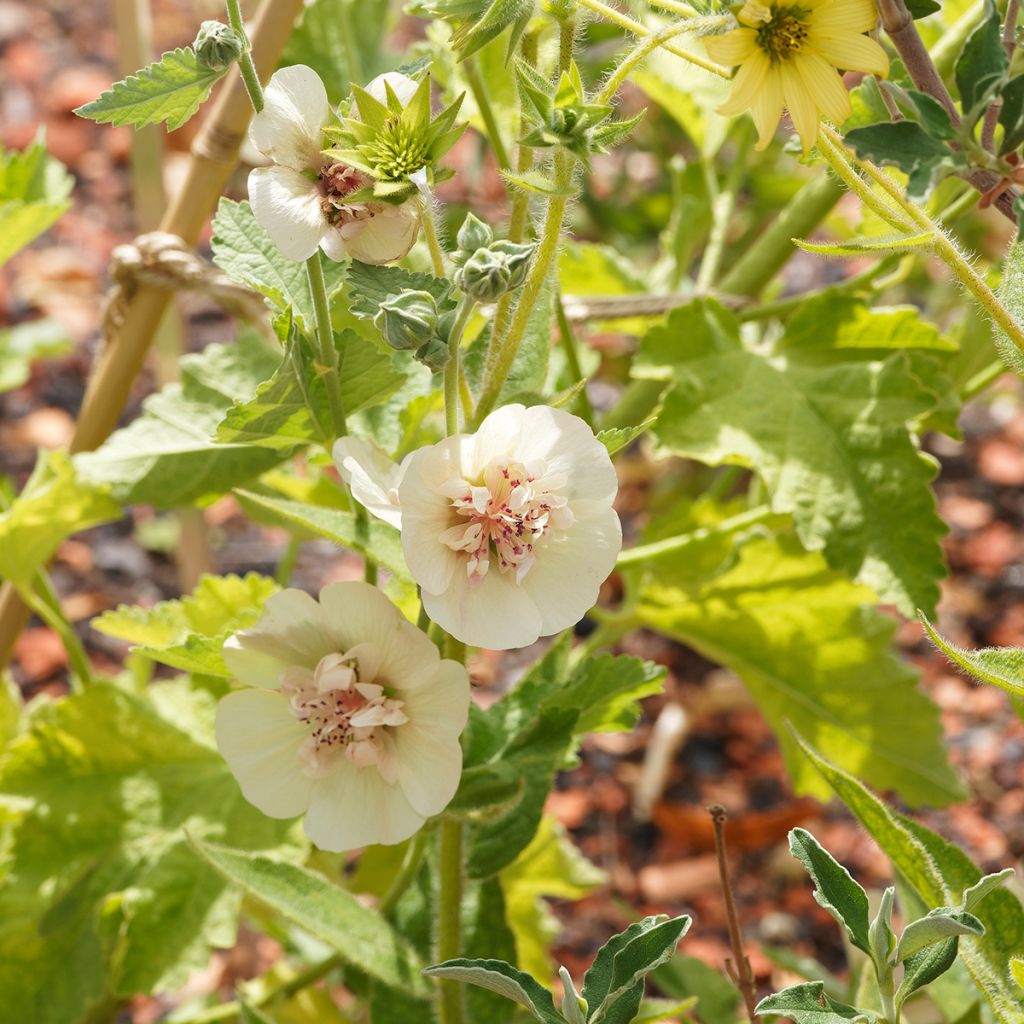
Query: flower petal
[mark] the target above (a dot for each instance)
(260, 739)
(372, 477)
(824, 83)
(767, 107)
(429, 767)
(850, 52)
(355, 807)
(746, 84)
(292, 631)
(733, 47)
(800, 104)
(289, 128)
(838, 16)
(572, 565)
(441, 703)
(386, 236)
(401, 85)
(287, 206)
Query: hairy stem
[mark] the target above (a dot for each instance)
(433, 242)
(568, 338)
(246, 67)
(452, 369)
(326, 350)
(449, 918)
(477, 86)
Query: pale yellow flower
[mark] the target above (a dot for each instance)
(787, 55)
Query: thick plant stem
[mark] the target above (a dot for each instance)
(433, 242)
(326, 350)
(214, 157)
(477, 86)
(452, 368)
(449, 918)
(520, 214)
(246, 67)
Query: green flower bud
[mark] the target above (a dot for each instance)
(518, 256)
(435, 353)
(485, 276)
(407, 320)
(474, 234)
(218, 46)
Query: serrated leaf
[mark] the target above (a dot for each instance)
(168, 456)
(368, 286)
(172, 89)
(1000, 666)
(22, 344)
(982, 62)
(618, 438)
(55, 503)
(34, 192)
(754, 613)
(380, 541)
(936, 926)
(809, 1004)
(940, 873)
(835, 889)
(833, 444)
(103, 898)
(361, 936)
(828, 323)
(903, 144)
(506, 980)
(189, 634)
(246, 253)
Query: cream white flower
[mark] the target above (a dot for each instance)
(509, 531)
(300, 200)
(348, 716)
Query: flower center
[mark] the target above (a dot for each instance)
(398, 151)
(346, 717)
(337, 182)
(505, 515)
(781, 31)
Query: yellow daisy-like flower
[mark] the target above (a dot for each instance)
(787, 55)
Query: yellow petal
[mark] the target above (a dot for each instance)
(732, 48)
(849, 51)
(767, 108)
(745, 85)
(835, 16)
(822, 81)
(800, 105)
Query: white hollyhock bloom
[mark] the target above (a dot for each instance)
(509, 531)
(300, 199)
(349, 716)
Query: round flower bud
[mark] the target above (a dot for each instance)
(435, 353)
(217, 45)
(518, 256)
(484, 276)
(474, 234)
(407, 320)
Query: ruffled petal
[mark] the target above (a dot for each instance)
(354, 807)
(733, 47)
(372, 477)
(289, 128)
(800, 105)
(849, 52)
(386, 236)
(286, 205)
(746, 84)
(260, 739)
(767, 108)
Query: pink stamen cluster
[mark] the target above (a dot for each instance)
(346, 717)
(337, 182)
(508, 513)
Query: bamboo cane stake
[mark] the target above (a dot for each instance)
(213, 158)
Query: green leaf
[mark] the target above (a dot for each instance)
(652, 1011)
(55, 503)
(1000, 666)
(924, 967)
(754, 610)
(538, 183)
(368, 286)
(360, 935)
(618, 438)
(380, 541)
(487, 935)
(615, 989)
(828, 324)
(867, 246)
(278, 415)
(835, 889)
(922, 8)
(23, 343)
(246, 253)
(936, 926)
(486, 790)
(1011, 115)
(103, 898)
(684, 976)
(934, 117)
(10, 709)
(34, 192)
(172, 89)
(189, 634)
(984, 887)
(168, 456)
(809, 1004)
(589, 269)
(551, 867)
(833, 444)
(903, 144)
(941, 874)
(503, 978)
(981, 64)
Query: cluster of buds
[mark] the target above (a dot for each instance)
(487, 268)
(411, 321)
(217, 45)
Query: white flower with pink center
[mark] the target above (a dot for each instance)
(349, 716)
(301, 200)
(509, 532)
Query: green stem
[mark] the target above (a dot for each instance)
(451, 370)
(328, 354)
(246, 68)
(43, 600)
(722, 210)
(672, 545)
(348, 41)
(406, 873)
(478, 87)
(449, 918)
(568, 338)
(520, 215)
(286, 566)
(433, 242)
